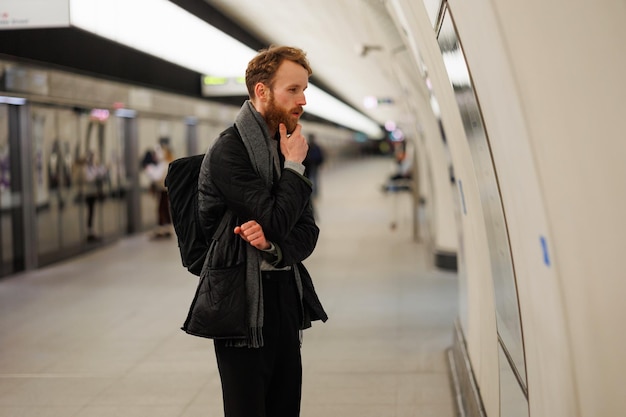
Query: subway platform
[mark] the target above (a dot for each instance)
(99, 335)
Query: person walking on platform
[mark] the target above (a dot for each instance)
(254, 170)
(94, 176)
(157, 172)
(313, 161)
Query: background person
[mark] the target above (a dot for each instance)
(313, 161)
(94, 176)
(157, 172)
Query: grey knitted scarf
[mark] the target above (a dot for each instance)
(256, 138)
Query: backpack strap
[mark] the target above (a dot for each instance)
(225, 220)
(220, 229)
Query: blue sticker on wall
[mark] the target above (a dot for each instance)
(544, 248)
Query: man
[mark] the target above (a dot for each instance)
(254, 171)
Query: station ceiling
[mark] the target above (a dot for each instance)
(353, 46)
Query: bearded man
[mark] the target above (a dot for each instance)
(253, 174)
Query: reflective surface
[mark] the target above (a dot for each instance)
(513, 402)
(432, 8)
(505, 289)
(6, 229)
(74, 206)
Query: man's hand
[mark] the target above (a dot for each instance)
(293, 147)
(252, 232)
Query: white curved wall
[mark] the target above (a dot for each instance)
(565, 59)
(551, 82)
(548, 364)
(478, 309)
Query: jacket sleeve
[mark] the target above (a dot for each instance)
(278, 210)
(301, 241)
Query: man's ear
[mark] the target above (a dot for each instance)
(261, 91)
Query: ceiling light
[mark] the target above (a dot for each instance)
(162, 29)
(370, 102)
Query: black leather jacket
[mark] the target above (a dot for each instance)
(228, 180)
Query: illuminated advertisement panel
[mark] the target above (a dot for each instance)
(31, 14)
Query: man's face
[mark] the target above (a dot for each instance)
(275, 114)
(286, 98)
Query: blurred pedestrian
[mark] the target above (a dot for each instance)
(94, 176)
(313, 161)
(156, 172)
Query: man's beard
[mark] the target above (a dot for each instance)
(275, 115)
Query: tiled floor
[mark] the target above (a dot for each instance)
(99, 336)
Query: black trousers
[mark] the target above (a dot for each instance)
(266, 382)
(163, 209)
(91, 205)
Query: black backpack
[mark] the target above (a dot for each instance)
(182, 186)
